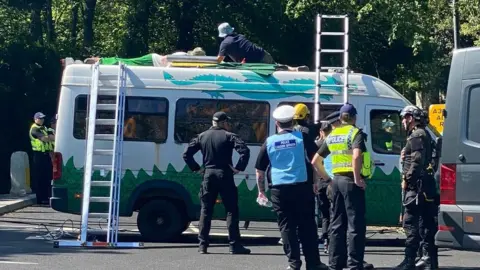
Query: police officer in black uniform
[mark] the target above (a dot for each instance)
(419, 189)
(292, 193)
(324, 205)
(42, 141)
(216, 145)
(346, 144)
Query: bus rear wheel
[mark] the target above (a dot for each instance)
(160, 220)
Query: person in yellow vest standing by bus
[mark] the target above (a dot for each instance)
(42, 142)
(351, 165)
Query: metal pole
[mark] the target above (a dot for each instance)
(455, 29)
(317, 68)
(345, 61)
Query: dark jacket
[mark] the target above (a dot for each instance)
(216, 145)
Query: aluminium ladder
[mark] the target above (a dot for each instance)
(318, 61)
(115, 151)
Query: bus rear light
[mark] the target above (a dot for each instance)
(57, 162)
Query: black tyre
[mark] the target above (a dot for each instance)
(160, 220)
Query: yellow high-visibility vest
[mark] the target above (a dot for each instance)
(389, 145)
(339, 144)
(37, 144)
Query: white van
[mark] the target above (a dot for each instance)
(166, 107)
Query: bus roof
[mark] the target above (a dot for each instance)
(280, 83)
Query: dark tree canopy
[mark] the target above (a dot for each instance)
(406, 43)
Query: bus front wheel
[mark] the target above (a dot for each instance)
(160, 220)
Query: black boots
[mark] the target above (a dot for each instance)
(424, 263)
(239, 249)
(202, 250)
(407, 264)
(234, 249)
(428, 261)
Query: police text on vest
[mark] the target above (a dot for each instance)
(285, 144)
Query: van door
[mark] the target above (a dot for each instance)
(467, 154)
(386, 136)
(385, 141)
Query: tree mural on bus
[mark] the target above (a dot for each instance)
(383, 193)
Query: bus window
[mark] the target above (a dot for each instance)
(387, 136)
(146, 118)
(249, 118)
(325, 109)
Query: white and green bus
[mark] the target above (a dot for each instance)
(167, 106)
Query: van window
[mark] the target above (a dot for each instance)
(325, 109)
(146, 118)
(387, 135)
(249, 118)
(473, 130)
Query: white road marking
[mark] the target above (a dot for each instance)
(243, 235)
(38, 237)
(193, 228)
(17, 226)
(10, 262)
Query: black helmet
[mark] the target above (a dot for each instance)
(417, 113)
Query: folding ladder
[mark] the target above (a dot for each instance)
(115, 151)
(319, 52)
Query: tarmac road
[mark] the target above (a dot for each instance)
(25, 245)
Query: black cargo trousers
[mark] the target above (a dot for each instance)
(348, 224)
(430, 249)
(295, 208)
(218, 181)
(324, 206)
(419, 223)
(42, 174)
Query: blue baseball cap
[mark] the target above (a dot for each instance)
(39, 115)
(348, 108)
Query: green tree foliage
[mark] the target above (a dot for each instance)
(406, 43)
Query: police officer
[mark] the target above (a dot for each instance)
(42, 145)
(323, 196)
(419, 189)
(292, 195)
(351, 164)
(333, 119)
(303, 121)
(302, 124)
(216, 145)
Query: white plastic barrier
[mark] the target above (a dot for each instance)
(20, 174)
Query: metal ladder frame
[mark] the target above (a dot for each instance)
(318, 61)
(115, 168)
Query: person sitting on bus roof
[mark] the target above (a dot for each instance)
(238, 48)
